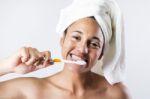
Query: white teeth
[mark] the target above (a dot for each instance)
(74, 57)
(78, 60)
(75, 62)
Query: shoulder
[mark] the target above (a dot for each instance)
(21, 83)
(118, 91)
(18, 87)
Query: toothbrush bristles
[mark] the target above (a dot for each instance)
(68, 61)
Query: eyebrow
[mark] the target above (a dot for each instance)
(78, 32)
(96, 38)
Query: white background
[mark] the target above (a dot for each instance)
(33, 22)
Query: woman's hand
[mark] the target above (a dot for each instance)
(26, 60)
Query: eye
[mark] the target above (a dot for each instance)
(94, 45)
(76, 37)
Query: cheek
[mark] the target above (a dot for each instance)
(95, 55)
(67, 47)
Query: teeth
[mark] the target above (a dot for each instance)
(75, 62)
(76, 58)
(81, 62)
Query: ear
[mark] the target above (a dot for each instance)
(100, 56)
(102, 53)
(62, 40)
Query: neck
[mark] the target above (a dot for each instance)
(74, 82)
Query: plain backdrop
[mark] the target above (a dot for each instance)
(33, 22)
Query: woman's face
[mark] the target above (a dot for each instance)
(83, 41)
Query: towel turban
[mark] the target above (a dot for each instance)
(109, 17)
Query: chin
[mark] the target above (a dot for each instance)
(77, 68)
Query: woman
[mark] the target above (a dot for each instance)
(85, 35)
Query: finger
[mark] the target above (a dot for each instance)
(47, 59)
(24, 54)
(48, 63)
(42, 64)
(47, 55)
(40, 58)
(33, 57)
(39, 61)
(38, 53)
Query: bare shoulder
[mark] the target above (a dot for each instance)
(18, 87)
(19, 82)
(118, 91)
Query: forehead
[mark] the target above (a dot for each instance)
(89, 26)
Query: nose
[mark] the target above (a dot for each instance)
(82, 48)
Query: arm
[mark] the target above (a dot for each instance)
(25, 60)
(3, 64)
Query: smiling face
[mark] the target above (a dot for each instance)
(83, 41)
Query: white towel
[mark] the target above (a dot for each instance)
(109, 17)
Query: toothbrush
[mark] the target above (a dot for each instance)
(68, 61)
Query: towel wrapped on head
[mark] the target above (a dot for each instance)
(109, 17)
